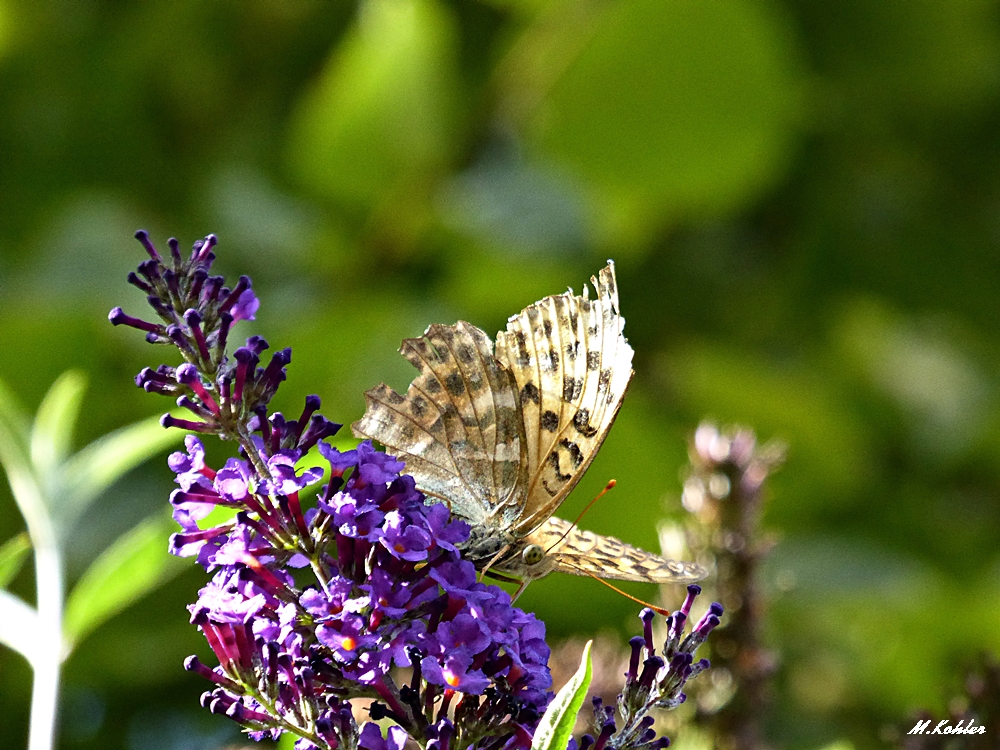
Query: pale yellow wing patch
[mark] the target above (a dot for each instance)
(573, 550)
(458, 428)
(572, 365)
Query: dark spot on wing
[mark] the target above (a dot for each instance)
(574, 319)
(394, 398)
(572, 388)
(582, 423)
(553, 359)
(465, 354)
(431, 385)
(455, 384)
(418, 405)
(572, 350)
(554, 463)
(593, 360)
(550, 421)
(522, 349)
(604, 380)
(574, 452)
(547, 327)
(529, 393)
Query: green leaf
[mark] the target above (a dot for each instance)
(134, 565)
(14, 456)
(96, 467)
(396, 65)
(55, 420)
(12, 556)
(712, 91)
(556, 726)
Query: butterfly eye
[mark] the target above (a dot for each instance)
(532, 554)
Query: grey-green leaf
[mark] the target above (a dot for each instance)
(135, 564)
(97, 466)
(556, 727)
(16, 461)
(12, 556)
(53, 430)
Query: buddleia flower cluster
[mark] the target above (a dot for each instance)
(653, 680)
(329, 584)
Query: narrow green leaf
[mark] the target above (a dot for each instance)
(556, 727)
(18, 626)
(12, 556)
(133, 566)
(97, 466)
(55, 420)
(15, 458)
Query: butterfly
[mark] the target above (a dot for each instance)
(503, 434)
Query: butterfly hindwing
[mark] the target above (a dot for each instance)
(573, 550)
(457, 428)
(572, 365)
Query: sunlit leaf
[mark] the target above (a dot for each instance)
(97, 466)
(385, 107)
(14, 457)
(133, 566)
(18, 625)
(556, 727)
(55, 420)
(13, 554)
(674, 108)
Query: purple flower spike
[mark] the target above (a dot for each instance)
(314, 603)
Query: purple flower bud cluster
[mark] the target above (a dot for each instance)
(391, 591)
(653, 680)
(228, 396)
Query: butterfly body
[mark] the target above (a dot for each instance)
(502, 436)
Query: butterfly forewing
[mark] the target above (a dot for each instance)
(573, 550)
(457, 428)
(572, 366)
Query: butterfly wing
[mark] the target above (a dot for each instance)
(572, 364)
(573, 550)
(458, 428)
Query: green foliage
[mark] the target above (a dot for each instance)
(673, 108)
(13, 555)
(134, 565)
(396, 64)
(52, 489)
(556, 726)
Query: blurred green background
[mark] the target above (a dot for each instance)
(803, 199)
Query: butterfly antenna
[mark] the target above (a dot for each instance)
(658, 610)
(610, 485)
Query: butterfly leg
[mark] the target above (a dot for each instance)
(520, 589)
